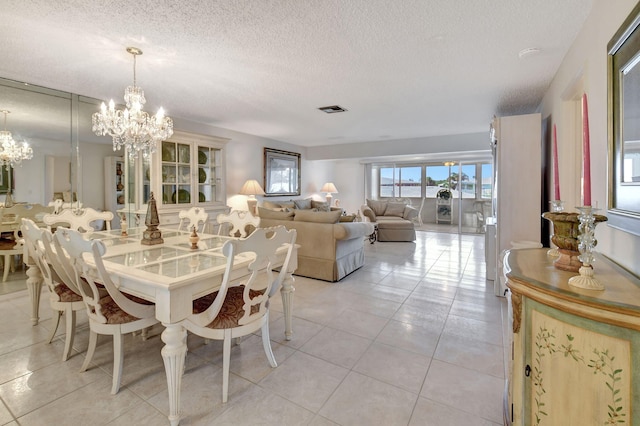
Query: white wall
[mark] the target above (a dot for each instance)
(584, 69)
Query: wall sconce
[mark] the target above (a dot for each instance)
(252, 188)
(329, 188)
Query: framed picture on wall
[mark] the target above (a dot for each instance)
(6, 180)
(281, 172)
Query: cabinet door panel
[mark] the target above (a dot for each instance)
(578, 376)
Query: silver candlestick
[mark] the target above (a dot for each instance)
(587, 243)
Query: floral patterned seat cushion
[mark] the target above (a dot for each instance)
(65, 294)
(231, 310)
(114, 314)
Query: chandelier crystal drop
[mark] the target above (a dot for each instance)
(132, 128)
(12, 153)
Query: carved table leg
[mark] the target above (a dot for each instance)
(287, 303)
(34, 286)
(174, 353)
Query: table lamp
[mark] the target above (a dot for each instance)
(329, 188)
(252, 188)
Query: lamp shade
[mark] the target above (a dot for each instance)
(329, 187)
(251, 187)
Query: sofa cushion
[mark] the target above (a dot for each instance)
(302, 204)
(287, 205)
(316, 217)
(321, 206)
(394, 209)
(348, 218)
(378, 207)
(274, 214)
(271, 205)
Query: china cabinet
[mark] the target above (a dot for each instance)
(137, 189)
(188, 171)
(114, 193)
(575, 354)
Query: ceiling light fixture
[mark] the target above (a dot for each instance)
(132, 128)
(12, 153)
(332, 109)
(531, 51)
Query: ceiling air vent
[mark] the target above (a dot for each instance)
(332, 109)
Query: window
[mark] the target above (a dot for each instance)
(401, 182)
(437, 178)
(487, 177)
(474, 182)
(467, 182)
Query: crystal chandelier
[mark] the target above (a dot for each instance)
(12, 153)
(132, 128)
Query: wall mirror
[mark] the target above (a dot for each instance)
(281, 173)
(624, 125)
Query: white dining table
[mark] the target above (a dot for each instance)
(171, 275)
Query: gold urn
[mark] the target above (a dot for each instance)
(566, 228)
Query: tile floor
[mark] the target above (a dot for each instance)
(413, 338)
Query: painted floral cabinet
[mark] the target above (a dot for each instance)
(575, 353)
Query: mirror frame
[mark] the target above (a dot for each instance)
(623, 49)
(291, 158)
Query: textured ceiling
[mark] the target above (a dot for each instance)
(402, 68)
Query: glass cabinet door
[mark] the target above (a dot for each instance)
(208, 174)
(176, 173)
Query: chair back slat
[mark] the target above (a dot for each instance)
(239, 221)
(195, 216)
(79, 219)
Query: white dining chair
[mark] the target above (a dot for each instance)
(64, 297)
(83, 219)
(115, 314)
(195, 216)
(241, 305)
(240, 221)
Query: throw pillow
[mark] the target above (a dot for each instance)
(394, 209)
(316, 217)
(348, 218)
(321, 206)
(271, 205)
(378, 207)
(302, 204)
(288, 205)
(274, 214)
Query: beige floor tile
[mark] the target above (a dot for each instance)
(431, 413)
(424, 317)
(359, 323)
(5, 415)
(397, 367)
(479, 311)
(338, 347)
(489, 332)
(142, 414)
(37, 389)
(462, 388)
(305, 380)
(259, 406)
(72, 408)
(409, 337)
(249, 361)
(473, 354)
(361, 400)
